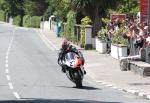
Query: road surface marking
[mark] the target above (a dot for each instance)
(46, 39)
(8, 77)
(132, 91)
(115, 87)
(6, 65)
(108, 85)
(6, 61)
(6, 57)
(99, 81)
(16, 95)
(93, 65)
(7, 53)
(120, 89)
(141, 94)
(11, 85)
(103, 83)
(148, 96)
(6, 71)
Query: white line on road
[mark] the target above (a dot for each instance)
(7, 53)
(103, 83)
(16, 95)
(109, 85)
(88, 65)
(99, 81)
(141, 94)
(6, 61)
(9, 47)
(8, 77)
(11, 85)
(6, 57)
(52, 44)
(148, 96)
(6, 71)
(115, 87)
(6, 65)
(132, 91)
(46, 43)
(120, 89)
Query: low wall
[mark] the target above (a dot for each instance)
(10, 20)
(45, 25)
(53, 26)
(94, 43)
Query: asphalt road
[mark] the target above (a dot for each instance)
(29, 74)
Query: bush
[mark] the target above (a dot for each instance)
(27, 21)
(2, 15)
(35, 21)
(102, 34)
(17, 20)
(118, 38)
(69, 32)
(85, 21)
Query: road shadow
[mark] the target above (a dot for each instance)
(5, 32)
(88, 88)
(139, 84)
(26, 100)
(83, 88)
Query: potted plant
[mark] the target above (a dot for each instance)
(101, 44)
(119, 44)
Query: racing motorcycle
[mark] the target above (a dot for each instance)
(74, 68)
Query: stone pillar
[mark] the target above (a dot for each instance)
(88, 37)
(10, 20)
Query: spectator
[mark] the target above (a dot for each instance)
(111, 31)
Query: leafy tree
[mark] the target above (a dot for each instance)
(128, 6)
(94, 8)
(35, 7)
(59, 8)
(12, 8)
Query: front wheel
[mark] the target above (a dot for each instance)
(78, 79)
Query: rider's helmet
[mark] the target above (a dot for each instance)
(65, 45)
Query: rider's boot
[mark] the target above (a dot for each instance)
(84, 72)
(63, 69)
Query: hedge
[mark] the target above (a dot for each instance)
(2, 15)
(33, 21)
(27, 21)
(17, 20)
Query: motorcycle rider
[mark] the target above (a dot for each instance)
(65, 48)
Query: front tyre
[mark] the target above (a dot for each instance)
(78, 79)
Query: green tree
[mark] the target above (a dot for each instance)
(129, 6)
(35, 7)
(95, 9)
(59, 8)
(12, 8)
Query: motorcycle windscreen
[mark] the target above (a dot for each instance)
(71, 56)
(71, 59)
